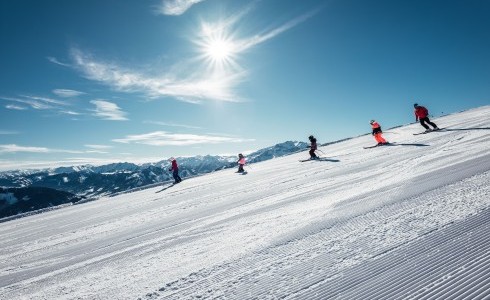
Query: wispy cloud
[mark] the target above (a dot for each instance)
(108, 111)
(99, 147)
(13, 148)
(8, 132)
(171, 124)
(15, 107)
(176, 7)
(192, 88)
(70, 112)
(162, 138)
(34, 102)
(56, 61)
(67, 93)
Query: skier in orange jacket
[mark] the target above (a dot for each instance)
(377, 133)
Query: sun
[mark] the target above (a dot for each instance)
(219, 50)
(217, 46)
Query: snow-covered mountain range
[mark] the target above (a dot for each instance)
(406, 221)
(91, 181)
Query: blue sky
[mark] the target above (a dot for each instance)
(101, 81)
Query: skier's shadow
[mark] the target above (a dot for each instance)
(466, 129)
(404, 144)
(328, 159)
(165, 188)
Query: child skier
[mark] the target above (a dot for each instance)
(421, 113)
(313, 147)
(175, 169)
(377, 133)
(241, 162)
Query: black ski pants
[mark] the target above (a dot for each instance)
(176, 176)
(426, 120)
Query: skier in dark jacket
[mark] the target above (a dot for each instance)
(175, 169)
(422, 114)
(313, 147)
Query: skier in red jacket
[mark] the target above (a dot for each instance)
(377, 133)
(175, 169)
(422, 114)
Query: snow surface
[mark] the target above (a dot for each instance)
(407, 221)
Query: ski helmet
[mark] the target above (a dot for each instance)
(310, 137)
(415, 105)
(372, 121)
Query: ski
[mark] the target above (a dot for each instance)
(320, 159)
(378, 145)
(432, 130)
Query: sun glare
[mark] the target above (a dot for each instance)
(217, 46)
(219, 50)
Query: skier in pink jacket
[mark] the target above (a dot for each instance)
(241, 162)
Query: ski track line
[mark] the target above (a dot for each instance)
(388, 283)
(142, 236)
(257, 272)
(364, 294)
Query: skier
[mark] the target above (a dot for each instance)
(377, 133)
(241, 162)
(313, 147)
(421, 113)
(175, 169)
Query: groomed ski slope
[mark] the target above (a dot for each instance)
(408, 221)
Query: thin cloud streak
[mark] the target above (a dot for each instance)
(65, 93)
(108, 111)
(172, 124)
(176, 7)
(7, 132)
(35, 102)
(13, 148)
(162, 138)
(70, 112)
(44, 99)
(56, 61)
(248, 43)
(98, 147)
(15, 107)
